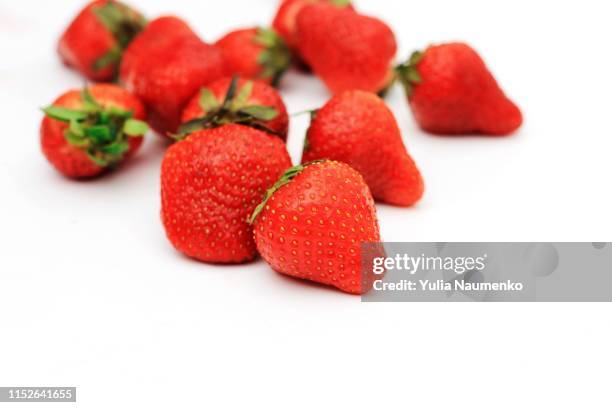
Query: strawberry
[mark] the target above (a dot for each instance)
(165, 66)
(256, 53)
(345, 49)
(285, 20)
(87, 132)
(357, 128)
(211, 182)
(94, 42)
(452, 92)
(312, 223)
(251, 103)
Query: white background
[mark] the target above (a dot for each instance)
(92, 295)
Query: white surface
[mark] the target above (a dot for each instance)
(92, 295)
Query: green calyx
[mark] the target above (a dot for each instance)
(408, 73)
(102, 133)
(235, 108)
(123, 23)
(341, 3)
(276, 57)
(285, 179)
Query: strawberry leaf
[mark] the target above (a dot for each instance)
(231, 93)
(76, 128)
(413, 76)
(99, 160)
(121, 21)
(415, 58)
(75, 139)
(341, 3)
(117, 148)
(266, 37)
(111, 58)
(99, 133)
(135, 128)
(243, 96)
(208, 100)
(123, 24)
(260, 112)
(190, 127)
(64, 114)
(89, 102)
(275, 59)
(109, 15)
(118, 112)
(408, 72)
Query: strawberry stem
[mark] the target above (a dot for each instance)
(408, 73)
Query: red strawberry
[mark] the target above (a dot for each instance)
(256, 53)
(357, 128)
(345, 49)
(94, 42)
(211, 182)
(165, 66)
(452, 92)
(87, 132)
(313, 222)
(246, 102)
(285, 20)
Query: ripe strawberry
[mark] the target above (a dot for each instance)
(256, 53)
(357, 128)
(94, 42)
(87, 132)
(452, 92)
(345, 49)
(228, 100)
(285, 20)
(165, 66)
(312, 223)
(211, 182)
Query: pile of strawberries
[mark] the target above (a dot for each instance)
(228, 188)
